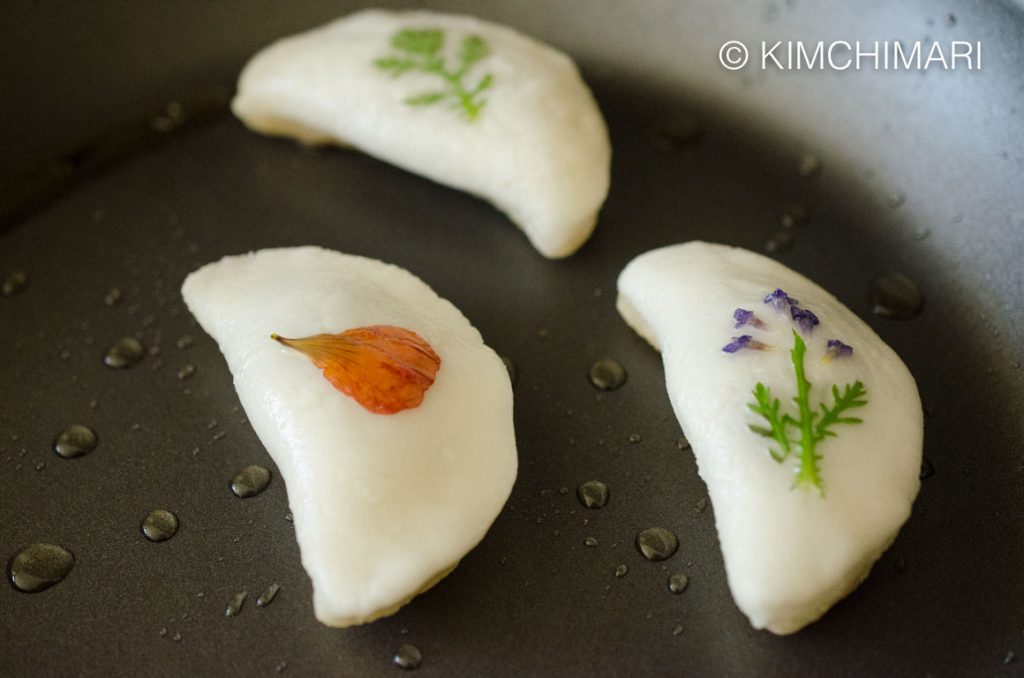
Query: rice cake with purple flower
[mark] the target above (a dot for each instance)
(806, 426)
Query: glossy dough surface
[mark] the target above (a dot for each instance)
(383, 505)
(538, 150)
(790, 553)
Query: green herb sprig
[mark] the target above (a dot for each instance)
(420, 50)
(810, 425)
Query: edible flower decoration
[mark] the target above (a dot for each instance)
(746, 341)
(420, 50)
(805, 320)
(780, 301)
(836, 349)
(384, 368)
(799, 434)
(744, 317)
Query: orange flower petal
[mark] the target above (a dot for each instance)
(386, 369)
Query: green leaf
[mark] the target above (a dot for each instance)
(426, 98)
(426, 42)
(473, 49)
(396, 65)
(768, 407)
(422, 51)
(852, 396)
(484, 83)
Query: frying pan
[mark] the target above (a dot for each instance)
(123, 169)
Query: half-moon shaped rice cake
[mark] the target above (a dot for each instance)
(806, 427)
(384, 504)
(465, 102)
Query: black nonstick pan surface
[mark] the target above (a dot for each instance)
(123, 169)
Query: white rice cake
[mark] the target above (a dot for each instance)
(465, 102)
(384, 505)
(791, 550)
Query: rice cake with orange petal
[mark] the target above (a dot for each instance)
(388, 417)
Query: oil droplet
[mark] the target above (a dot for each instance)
(74, 441)
(185, 342)
(809, 165)
(635, 438)
(780, 241)
(927, 469)
(250, 481)
(163, 631)
(234, 607)
(678, 582)
(621, 571)
(113, 297)
(160, 525)
(513, 374)
(14, 283)
(678, 630)
(267, 597)
(590, 542)
(124, 354)
(896, 296)
(186, 372)
(794, 217)
(593, 494)
(657, 543)
(281, 667)
(39, 566)
(682, 443)
(408, 657)
(607, 375)
(1010, 656)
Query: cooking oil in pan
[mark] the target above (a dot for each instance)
(268, 595)
(234, 607)
(113, 297)
(607, 375)
(678, 582)
(896, 296)
(74, 441)
(14, 283)
(160, 525)
(250, 481)
(657, 543)
(40, 566)
(124, 354)
(408, 657)
(593, 494)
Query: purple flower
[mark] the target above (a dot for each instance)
(780, 301)
(746, 341)
(804, 319)
(745, 317)
(836, 349)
